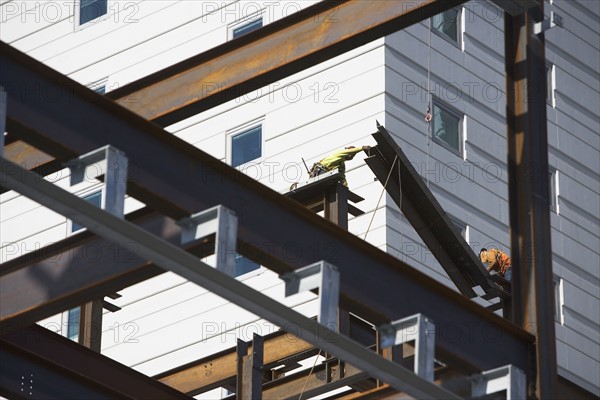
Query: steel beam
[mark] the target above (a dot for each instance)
(324, 378)
(215, 370)
(303, 39)
(426, 215)
(94, 267)
(249, 369)
(58, 368)
(528, 190)
(190, 267)
(324, 30)
(264, 216)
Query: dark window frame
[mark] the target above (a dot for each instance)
(454, 41)
(246, 27)
(233, 158)
(91, 10)
(436, 103)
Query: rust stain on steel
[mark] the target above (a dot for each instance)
(268, 51)
(26, 155)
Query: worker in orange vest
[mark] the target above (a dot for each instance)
(336, 160)
(497, 260)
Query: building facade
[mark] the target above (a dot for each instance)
(451, 65)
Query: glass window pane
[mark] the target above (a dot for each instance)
(247, 28)
(95, 199)
(73, 323)
(446, 23)
(446, 127)
(246, 146)
(91, 9)
(244, 265)
(552, 190)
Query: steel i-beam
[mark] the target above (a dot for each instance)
(190, 267)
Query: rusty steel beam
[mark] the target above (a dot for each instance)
(528, 190)
(64, 369)
(80, 121)
(217, 369)
(280, 49)
(323, 378)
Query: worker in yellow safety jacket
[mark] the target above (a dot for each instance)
(497, 260)
(336, 160)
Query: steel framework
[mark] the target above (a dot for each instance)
(53, 127)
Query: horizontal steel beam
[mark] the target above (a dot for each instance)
(280, 49)
(214, 371)
(292, 44)
(94, 267)
(80, 121)
(322, 379)
(190, 267)
(49, 366)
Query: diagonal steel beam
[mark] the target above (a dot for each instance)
(190, 267)
(79, 121)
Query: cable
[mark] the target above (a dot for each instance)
(428, 116)
(309, 374)
(381, 195)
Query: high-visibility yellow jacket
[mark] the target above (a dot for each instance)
(496, 260)
(336, 160)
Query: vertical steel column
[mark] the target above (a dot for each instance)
(3, 97)
(90, 325)
(529, 190)
(113, 164)
(249, 376)
(336, 205)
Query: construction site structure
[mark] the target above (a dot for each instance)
(262, 297)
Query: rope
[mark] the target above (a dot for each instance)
(428, 116)
(308, 376)
(381, 195)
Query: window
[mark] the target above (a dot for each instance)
(550, 80)
(553, 190)
(91, 9)
(446, 127)
(558, 299)
(241, 30)
(73, 316)
(246, 146)
(448, 25)
(94, 198)
(100, 89)
(244, 265)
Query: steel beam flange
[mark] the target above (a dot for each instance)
(508, 378)
(107, 161)
(222, 222)
(324, 277)
(416, 328)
